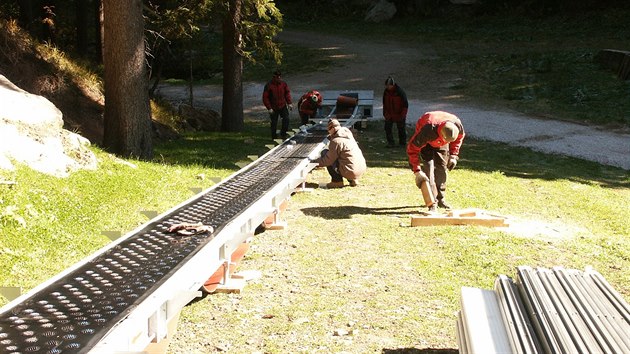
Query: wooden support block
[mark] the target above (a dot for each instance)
(217, 278)
(273, 222)
(461, 217)
(277, 225)
(234, 285)
(303, 188)
(464, 212)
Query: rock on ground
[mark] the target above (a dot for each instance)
(32, 133)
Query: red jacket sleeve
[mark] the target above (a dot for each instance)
(418, 140)
(453, 147)
(265, 97)
(287, 93)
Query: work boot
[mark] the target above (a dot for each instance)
(334, 184)
(442, 204)
(353, 182)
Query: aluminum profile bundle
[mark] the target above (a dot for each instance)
(573, 313)
(545, 311)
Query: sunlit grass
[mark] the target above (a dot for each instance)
(349, 260)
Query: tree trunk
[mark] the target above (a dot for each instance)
(127, 110)
(26, 17)
(82, 15)
(232, 106)
(98, 26)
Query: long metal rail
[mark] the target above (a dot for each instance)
(549, 311)
(122, 298)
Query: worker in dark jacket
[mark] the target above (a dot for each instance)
(343, 158)
(308, 105)
(277, 99)
(435, 144)
(395, 106)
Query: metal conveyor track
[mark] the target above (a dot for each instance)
(73, 313)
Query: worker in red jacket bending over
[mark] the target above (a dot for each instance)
(433, 150)
(308, 105)
(277, 99)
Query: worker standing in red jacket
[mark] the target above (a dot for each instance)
(277, 99)
(308, 105)
(435, 145)
(395, 106)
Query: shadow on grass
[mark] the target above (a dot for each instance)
(218, 150)
(346, 211)
(222, 150)
(420, 351)
(518, 162)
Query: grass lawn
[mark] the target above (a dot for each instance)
(350, 263)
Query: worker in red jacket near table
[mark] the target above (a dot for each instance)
(308, 105)
(277, 99)
(433, 150)
(395, 106)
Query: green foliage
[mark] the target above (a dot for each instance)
(198, 56)
(262, 21)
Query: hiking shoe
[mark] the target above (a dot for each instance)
(353, 182)
(442, 204)
(334, 184)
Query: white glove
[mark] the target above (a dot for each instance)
(452, 162)
(420, 177)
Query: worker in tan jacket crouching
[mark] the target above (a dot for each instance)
(343, 158)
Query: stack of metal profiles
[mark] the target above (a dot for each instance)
(545, 311)
(75, 311)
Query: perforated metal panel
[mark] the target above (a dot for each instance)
(73, 314)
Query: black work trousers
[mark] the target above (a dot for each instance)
(402, 132)
(284, 114)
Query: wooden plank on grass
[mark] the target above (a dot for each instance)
(462, 217)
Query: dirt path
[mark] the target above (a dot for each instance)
(365, 65)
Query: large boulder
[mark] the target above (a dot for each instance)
(381, 11)
(32, 133)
